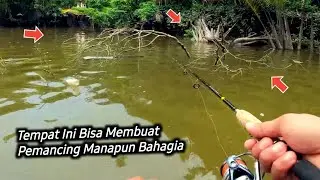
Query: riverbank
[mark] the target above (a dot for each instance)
(287, 25)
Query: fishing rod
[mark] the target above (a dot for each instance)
(234, 168)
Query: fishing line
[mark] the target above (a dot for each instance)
(207, 112)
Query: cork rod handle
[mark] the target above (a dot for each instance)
(244, 117)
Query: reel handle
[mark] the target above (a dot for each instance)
(303, 169)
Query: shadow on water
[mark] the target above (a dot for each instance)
(148, 89)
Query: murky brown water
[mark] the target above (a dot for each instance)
(146, 90)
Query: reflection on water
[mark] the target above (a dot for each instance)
(34, 94)
(80, 37)
(7, 103)
(203, 50)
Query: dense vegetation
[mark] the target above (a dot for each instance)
(287, 24)
(30, 12)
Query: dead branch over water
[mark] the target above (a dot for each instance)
(116, 43)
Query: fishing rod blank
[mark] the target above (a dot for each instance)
(303, 169)
(228, 103)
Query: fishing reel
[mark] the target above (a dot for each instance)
(234, 168)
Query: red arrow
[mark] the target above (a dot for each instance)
(33, 34)
(175, 18)
(276, 81)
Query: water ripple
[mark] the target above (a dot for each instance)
(7, 103)
(50, 94)
(2, 99)
(24, 90)
(34, 99)
(91, 72)
(49, 84)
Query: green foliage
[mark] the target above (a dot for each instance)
(84, 11)
(97, 4)
(45, 7)
(52, 7)
(146, 10)
(301, 5)
(115, 13)
(274, 3)
(188, 33)
(290, 7)
(72, 11)
(104, 17)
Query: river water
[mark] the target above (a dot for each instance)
(146, 87)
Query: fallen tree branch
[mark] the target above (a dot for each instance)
(113, 43)
(249, 39)
(229, 30)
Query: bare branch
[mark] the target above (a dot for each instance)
(128, 40)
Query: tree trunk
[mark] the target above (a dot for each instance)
(274, 32)
(288, 39)
(275, 35)
(300, 32)
(281, 29)
(267, 33)
(303, 15)
(270, 40)
(92, 25)
(311, 45)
